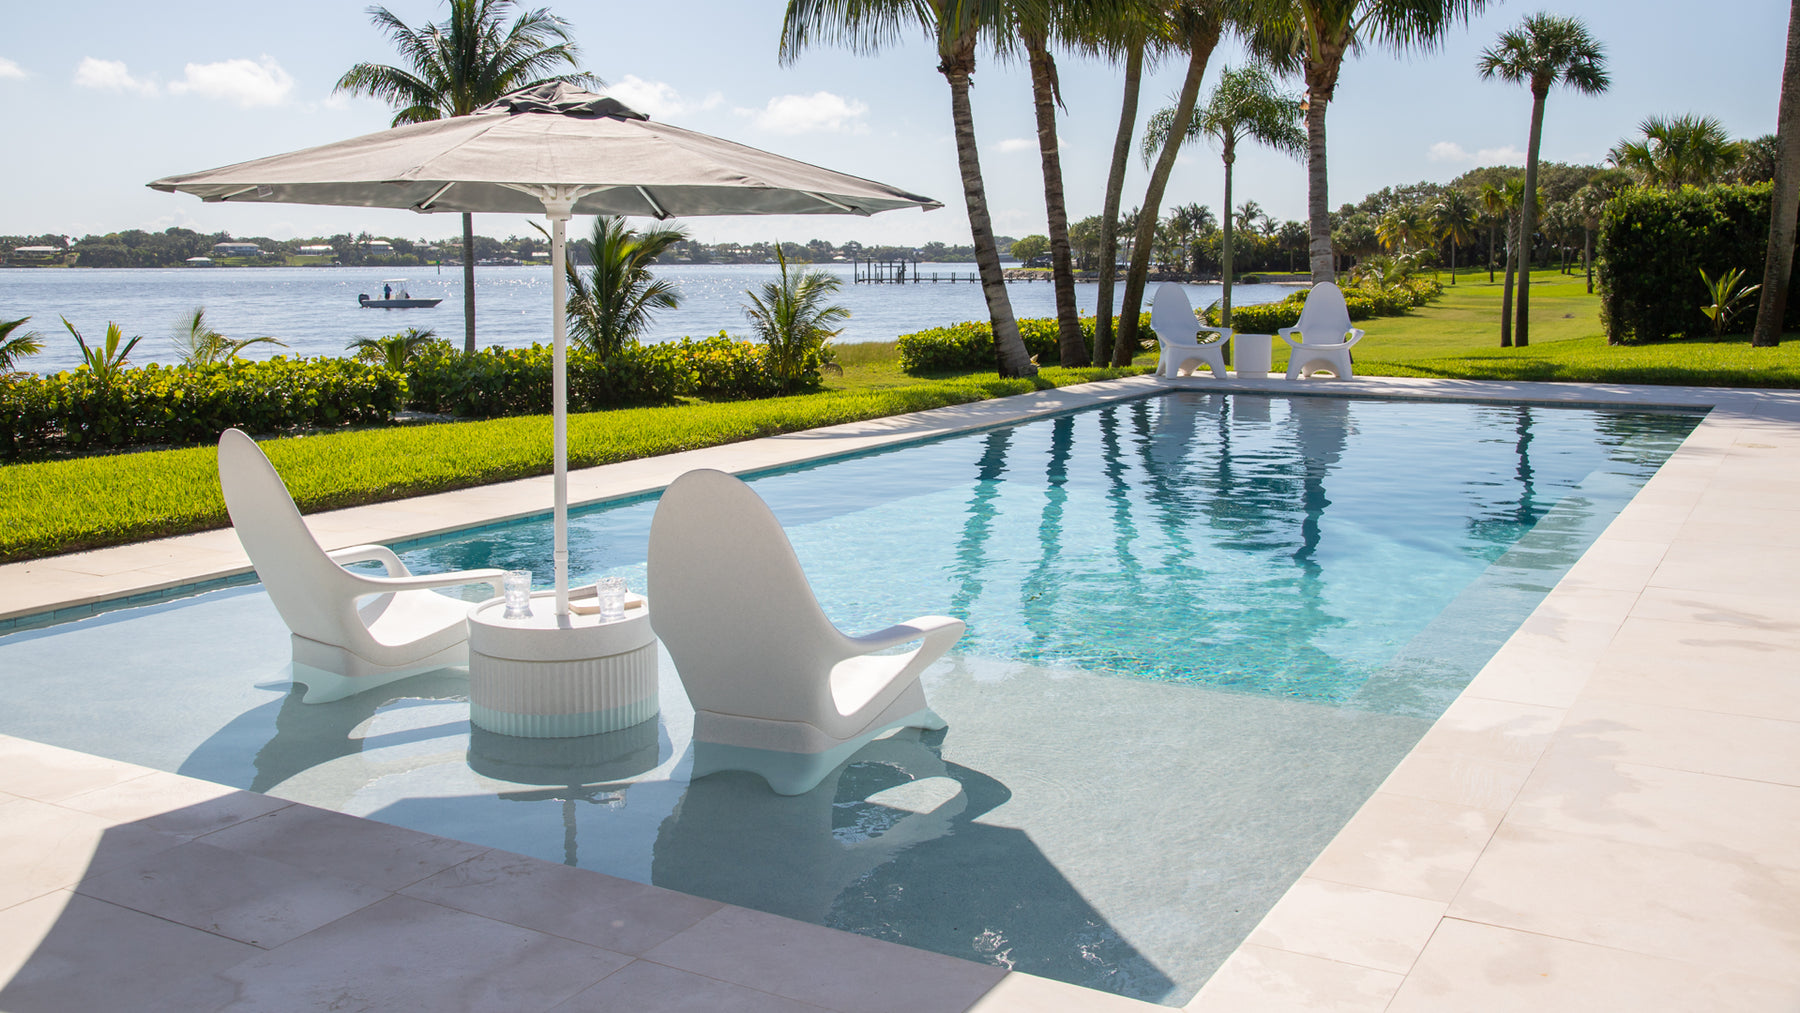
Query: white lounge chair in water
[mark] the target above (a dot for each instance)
(1177, 331)
(777, 689)
(1322, 337)
(340, 648)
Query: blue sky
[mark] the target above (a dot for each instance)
(98, 98)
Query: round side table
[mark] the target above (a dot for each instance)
(1253, 355)
(547, 676)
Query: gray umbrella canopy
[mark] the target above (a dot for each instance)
(556, 150)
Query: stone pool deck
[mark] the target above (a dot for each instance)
(1604, 819)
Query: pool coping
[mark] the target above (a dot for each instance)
(1510, 853)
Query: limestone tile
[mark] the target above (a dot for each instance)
(1701, 566)
(1350, 924)
(1407, 846)
(644, 987)
(1704, 742)
(1707, 639)
(1469, 966)
(319, 840)
(234, 895)
(1491, 730)
(407, 955)
(1597, 573)
(1766, 687)
(1257, 979)
(825, 967)
(582, 905)
(1619, 551)
(46, 847)
(66, 952)
(1533, 673)
(1726, 818)
(1019, 992)
(172, 804)
(1719, 609)
(1458, 780)
(1732, 915)
(1728, 520)
(50, 773)
(1589, 604)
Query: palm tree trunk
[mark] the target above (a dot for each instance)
(1010, 356)
(1587, 249)
(1452, 261)
(1225, 241)
(1528, 218)
(1784, 203)
(1506, 298)
(1318, 202)
(1490, 252)
(468, 283)
(1071, 346)
(1199, 52)
(1109, 214)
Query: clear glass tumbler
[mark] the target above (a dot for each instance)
(612, 597)
(518, 594)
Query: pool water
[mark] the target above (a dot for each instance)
(1202, 629)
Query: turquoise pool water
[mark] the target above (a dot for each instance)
(1202, 629)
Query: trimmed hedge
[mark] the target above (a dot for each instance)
(496, 382)
(971, 345)
(729, 370)
(1363, 303)
(1653, 244)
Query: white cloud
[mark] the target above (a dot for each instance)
(658, 99)
(247, 83)
(820, 112)
(1450, 151)
(110, 75)
(1012, 144)
(10, 69)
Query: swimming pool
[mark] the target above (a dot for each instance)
(1202, 629)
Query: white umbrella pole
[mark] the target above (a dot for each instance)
(559, 396)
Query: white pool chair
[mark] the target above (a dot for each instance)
(777, 689)
(1177, 331)
(340, 648)
(1322, 337)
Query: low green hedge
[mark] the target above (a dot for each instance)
(726, 369)
(497, 382)
(971, 345)
(1363, 302)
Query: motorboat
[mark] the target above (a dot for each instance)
(394, 296)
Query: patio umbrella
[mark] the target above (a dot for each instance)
(561, 151)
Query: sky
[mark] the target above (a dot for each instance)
(97, 99)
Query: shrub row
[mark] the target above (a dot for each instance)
(1653, 244)
(1363, 302)
(971, 345)
(498, 382)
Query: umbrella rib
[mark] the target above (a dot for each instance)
(660, 212)
(836, 204)
(425, 205)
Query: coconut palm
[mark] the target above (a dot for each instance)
(1545, 50)
(1403, 227)
(1587, 204)
(618, 297)
(13, 346)
(1512, 198)
(1312, 37)
(794, 320)
(1677, 151)
(958, 29)
(394, 351)
(456, 67)
(1245, 106)
(1492, 199)
(1784, 202)
(1036, 24)
(1453, 217)
(199, 345)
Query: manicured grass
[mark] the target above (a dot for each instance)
(61, 506)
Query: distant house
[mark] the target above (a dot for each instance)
(317, 251)
(378, 247)
(35, 255)
(236, 250)
(199, 262)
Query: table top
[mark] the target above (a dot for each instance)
(546, 636)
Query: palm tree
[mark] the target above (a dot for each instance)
(1512, 198)
(14, 347)
(457, 67)
(1402, 228)
(1313, 37)
(1543, 51)
(1036, 23)
(1676, 152)
(199, 345)
(1246, 105)
(395, 350)
(1493, 211)
(1587, 204)
(1453, 217)
(958, 28)
(793, 319)
(617, 299)
(1784, 202)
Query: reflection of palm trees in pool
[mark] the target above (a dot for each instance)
(1038, 598)
(971, 549)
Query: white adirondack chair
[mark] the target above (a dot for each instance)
(777, 689)
(1322, 337)
(340, 648)
(1177, 331)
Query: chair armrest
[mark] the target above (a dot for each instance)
(1287, 334)
(495, 579)
(907, 632)
(1224, 333)
(1356, 334)
(371, 554)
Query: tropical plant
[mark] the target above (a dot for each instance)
(1587, 204)
(1727, 297)
(1677, 151)
(1453, 217)
(958, 29)
(1036, 24)
(1778, 263)
(199, 345)
(14, 347)
(1404, 227)
(1512, 194)
(1246, 105)
(794, 319)
(107, 361)
(460, 65)
(618, 298)
(1313, 37)
(1543, 51)
(394, 351)
(1030, 247)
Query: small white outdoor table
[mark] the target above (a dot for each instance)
(1252, 355)
(546, 677)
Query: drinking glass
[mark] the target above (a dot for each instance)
(612, 597)
(518, 594)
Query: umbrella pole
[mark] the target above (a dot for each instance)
(558, 213)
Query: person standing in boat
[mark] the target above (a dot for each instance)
(387, 291)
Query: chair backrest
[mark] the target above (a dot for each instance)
(1172, 316)
(1325, 319)
(300, 578)
(731, 603)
